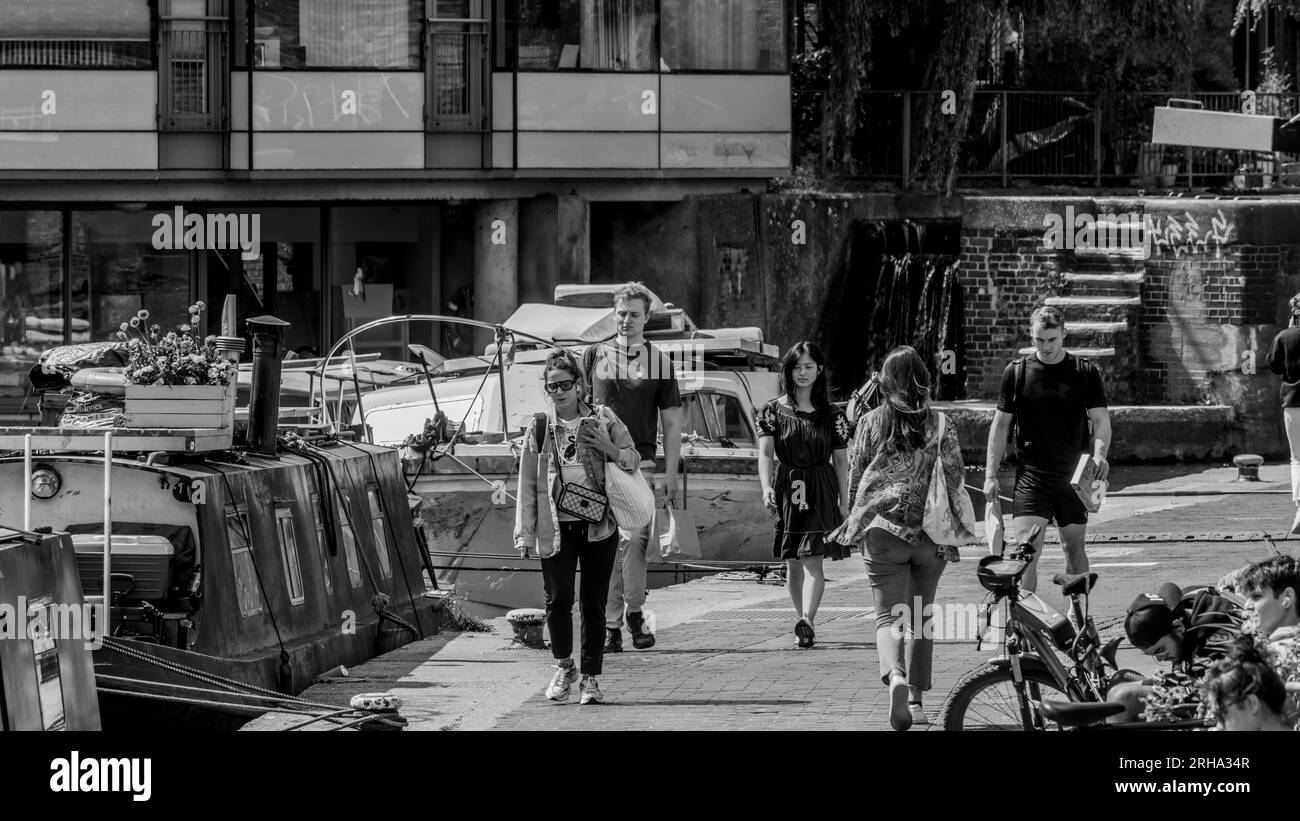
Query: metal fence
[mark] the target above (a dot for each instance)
(459, 75)
(1035, 136)
(193, 73)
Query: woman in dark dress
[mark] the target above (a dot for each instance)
(807, 491)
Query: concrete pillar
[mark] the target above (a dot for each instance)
(429, 283)
(555, 245)
(496, 264)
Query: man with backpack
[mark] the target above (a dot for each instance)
(1054, 398)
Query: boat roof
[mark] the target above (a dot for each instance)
(558, 324)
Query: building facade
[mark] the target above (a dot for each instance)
(331, 161)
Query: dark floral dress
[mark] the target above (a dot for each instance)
(807, 489)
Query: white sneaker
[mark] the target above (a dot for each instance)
(590, 691)
(918, 713)
(562, 682)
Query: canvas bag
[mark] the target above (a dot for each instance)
(939, 523)
(630, 499)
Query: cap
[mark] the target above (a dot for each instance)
(1150, 617)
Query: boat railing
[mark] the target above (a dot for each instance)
(87, 444)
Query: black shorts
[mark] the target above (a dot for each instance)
(1048, 496)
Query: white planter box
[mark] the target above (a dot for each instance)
(180, 406)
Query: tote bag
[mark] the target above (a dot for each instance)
(939, 523)
(630, 499)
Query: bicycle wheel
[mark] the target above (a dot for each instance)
(985, 698)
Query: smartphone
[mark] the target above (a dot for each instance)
(587, 423)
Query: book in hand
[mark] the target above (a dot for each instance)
(1090, 490)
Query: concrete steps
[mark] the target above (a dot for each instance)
(1102, 309)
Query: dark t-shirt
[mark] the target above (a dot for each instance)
(1051, 417)
(636, 386)
(1284, 360)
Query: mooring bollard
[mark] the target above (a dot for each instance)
(528, 622)
(1247, 467)
(383, 709)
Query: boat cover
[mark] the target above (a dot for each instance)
(557, 324)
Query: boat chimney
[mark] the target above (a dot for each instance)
(264, 406)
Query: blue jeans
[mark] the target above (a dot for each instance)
(900, 573)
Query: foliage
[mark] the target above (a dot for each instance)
(454, 616)
(175, 357)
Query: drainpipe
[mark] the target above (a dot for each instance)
(264, 404)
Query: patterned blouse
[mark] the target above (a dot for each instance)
(888, 487)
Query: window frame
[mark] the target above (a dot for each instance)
(379, 529)
(290, 560)
(239, 513)
(348, 536)
(327, 575)
(421, 57)
(501, 24)
(151, 43)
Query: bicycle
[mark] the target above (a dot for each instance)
(1007, 693)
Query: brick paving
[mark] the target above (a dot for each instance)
(725, 657)
(737, 669)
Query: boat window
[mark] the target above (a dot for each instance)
(730, 418)
(289, 553)
(238, 534)
(693, 417)
(381, 535)
(349, 543)
(326, 575)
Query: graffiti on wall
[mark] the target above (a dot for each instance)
(1190, 234)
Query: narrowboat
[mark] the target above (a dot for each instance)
(237, 574)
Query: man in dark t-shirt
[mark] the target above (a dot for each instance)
(637, 382)
(1055, 399)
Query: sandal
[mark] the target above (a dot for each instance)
(804, 631)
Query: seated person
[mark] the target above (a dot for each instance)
(1244, 692)
(1190, 630)
(1272, 592)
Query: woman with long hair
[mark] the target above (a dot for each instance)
(802, 467)
(1284, 360)
(564, 446)
(1245, 692)
(893, 459)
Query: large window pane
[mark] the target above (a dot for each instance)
(75, 33)
(31, 294)
(378, 34)
(116, 271)
(724, 35)
(596, 35)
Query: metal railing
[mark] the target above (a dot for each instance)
(459, 76)
(193, 73)
(1046, 137)
(104, 52)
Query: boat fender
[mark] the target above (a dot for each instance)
(376, 702)
(106, 381)
(286, 674)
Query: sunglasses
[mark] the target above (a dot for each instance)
(559, 387)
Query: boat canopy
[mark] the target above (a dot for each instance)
(562, 325)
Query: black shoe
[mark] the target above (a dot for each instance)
(642, 639)
(613, 640)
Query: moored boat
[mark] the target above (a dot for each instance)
(460, 430)
(237, 575)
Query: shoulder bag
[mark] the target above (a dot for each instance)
(939, 523)
(578, 500)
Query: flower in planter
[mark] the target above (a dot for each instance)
(173, 358)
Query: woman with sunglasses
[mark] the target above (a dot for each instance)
(563, 446)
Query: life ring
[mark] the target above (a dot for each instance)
(106, 381)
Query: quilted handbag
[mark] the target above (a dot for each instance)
(578, 500)
(939, 522)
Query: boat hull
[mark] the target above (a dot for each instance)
(471, 535)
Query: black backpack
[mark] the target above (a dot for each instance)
(1020, 365)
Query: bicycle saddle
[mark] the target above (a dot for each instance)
(1078, 714)
(1075, 584)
